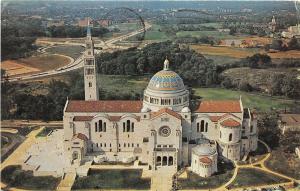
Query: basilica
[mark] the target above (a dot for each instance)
(161, 131)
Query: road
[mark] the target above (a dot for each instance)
(78, 63)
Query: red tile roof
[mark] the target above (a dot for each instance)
(230, 123)
(105, 106)
(205, 160)
(226, 106)
(80, 136)
(165, 110)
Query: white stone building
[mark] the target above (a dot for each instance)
(161, 131)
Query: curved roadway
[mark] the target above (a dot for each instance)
(78, 63)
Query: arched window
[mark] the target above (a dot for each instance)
(104, 126)
(124, 127)
(220, 134)
(90, 84)
(158, 160)
(100, 125)
(198, 127)
(128, 126)
(96, 128)
(165, 161)
(206, 126)
(230, 137)
(132, 127)
(170, 161)
(202, 125)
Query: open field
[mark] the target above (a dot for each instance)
(287, 164)
(241, 53)
(14, 67)
(70, 50)
(259, 102)
(254, 177)
(112, 179)
(155, 33)
(215, 34)
(34, 64)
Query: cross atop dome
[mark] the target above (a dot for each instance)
(166, 64)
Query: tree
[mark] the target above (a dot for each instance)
(245, 86)
(293, 44)
(258, 60)
(232, 30)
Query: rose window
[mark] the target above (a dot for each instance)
(165, 131)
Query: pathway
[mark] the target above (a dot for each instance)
(66, 182)
(16, 158)
(262, 168)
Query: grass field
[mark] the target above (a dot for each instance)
(242, 52)
(136, 85)
(259, 102)
(113, 179)
(287, 164)
(71, 50)
(215, 34)
(34, 64)
(222, 60)
(155, 33)
(255, 177)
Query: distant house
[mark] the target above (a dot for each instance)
(105, 22)
(224, 30)
(289, 122)
(291, 32)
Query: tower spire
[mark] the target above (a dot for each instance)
(90, 75)
(88, 32)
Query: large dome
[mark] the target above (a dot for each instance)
(166, 80)
(166, 90)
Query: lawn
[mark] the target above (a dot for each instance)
(72, 50)
(260, 102)
(155, 33)
(123, 85)
(254, 177)
(287, 164)
(241, 52)
(113, 179)
(222, 60)
(193, 182)
(215, 34)
(14, 176)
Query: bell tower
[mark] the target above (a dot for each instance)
(90, 77)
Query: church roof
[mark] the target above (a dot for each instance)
(113, 106)
(165, 110)
(80, 136)
(205, 160)
(230, 123)
(224, 106)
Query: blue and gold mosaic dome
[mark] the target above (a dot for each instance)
(166, 80)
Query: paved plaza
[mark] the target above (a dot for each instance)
(46, 154)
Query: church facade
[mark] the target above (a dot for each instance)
(161, 131)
